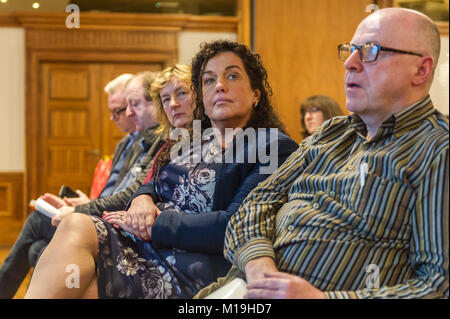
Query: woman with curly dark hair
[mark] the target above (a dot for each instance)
(263, 114)
(170, 241)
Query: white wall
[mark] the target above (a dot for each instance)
(439, 89)
(12, 99)
(189, 43)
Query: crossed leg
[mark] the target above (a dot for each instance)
(72, 251)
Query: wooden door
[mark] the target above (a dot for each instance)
(75, 127)
(70, 117)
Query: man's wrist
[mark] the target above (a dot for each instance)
(255, 248)
(256, 268)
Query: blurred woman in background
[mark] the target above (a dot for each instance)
(315, 110)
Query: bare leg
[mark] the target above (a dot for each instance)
(72, 251)
(92, 291)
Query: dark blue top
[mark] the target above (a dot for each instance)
(204, 232)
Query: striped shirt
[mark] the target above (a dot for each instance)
(357, 218)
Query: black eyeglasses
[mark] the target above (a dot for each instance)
(116, 113)
(368, 52)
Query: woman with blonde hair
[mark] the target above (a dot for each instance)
(182, 74)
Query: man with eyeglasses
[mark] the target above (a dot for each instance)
(361, 209)
(132, 159)
(129, 171)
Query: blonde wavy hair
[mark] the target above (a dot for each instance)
(179, 71)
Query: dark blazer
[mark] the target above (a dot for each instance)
(137, 149)
(118, 201)
(205, 232)
(120, 147)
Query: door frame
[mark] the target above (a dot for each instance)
(89, 53)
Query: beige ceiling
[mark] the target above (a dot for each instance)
(214, 7)
(26, 5)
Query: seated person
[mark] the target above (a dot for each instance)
(315, 110)
(361, 209)
(170, 240)
(115, 91)
(141, 108)
(131, 151)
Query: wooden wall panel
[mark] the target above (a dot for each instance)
(69, 84)
(11, 196)
(5, 199)
(297, 40)
(77, 120)
(11, 206)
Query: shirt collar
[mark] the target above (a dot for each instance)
(132, 136)
(399, 123)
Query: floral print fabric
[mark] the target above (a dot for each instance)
(128, 267)
(191, 193)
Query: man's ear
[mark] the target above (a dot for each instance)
(424, 70)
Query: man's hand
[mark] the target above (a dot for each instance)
(75, 201)
(140, 217)
(279, 285)
(63, 212)
(53, 200)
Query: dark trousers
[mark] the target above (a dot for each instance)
(34, 237)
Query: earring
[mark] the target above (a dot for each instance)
(255, 105)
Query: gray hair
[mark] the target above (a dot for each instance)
(117, 83)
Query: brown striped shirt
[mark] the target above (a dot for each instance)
(357, 218)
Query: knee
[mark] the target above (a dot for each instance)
(75, 222)
(79, 228)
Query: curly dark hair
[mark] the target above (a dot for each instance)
(263, 115)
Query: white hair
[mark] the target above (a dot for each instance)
(117, 83)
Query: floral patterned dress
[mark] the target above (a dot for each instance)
(128, 267)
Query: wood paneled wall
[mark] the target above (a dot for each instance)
(11, 195)
(297, 40)
(12, 206)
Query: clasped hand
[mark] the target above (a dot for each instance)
(139, 218)
(280, 285)
(265, 281)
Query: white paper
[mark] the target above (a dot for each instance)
(45, 208)
(235, 289)
(363, 170)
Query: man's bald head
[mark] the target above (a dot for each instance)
(394, 80)
(428, 34)
(412, 29)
